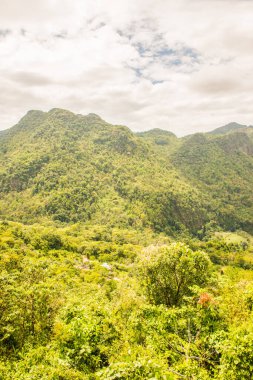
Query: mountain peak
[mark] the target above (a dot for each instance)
(94, 116)
(32, 116)
(60, 112)
(230, 127)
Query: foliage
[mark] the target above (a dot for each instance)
(135, 370)
(106, 244)
(71, 168)
(68, 314)
(170, 272)
(237, 354)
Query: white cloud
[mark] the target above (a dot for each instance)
(184, 66)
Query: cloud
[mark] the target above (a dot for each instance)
(222, 79)
(182, 66)
(4, 33)
(29, 78)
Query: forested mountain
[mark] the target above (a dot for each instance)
(124, 256)
(230, 127)
(70, 168)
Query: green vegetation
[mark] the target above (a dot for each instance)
(124, 256)
(72, 168)
(170, 272)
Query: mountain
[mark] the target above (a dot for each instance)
(231, 127)
(65, 167)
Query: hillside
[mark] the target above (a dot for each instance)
(68, 168)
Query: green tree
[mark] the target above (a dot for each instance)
(169, 272)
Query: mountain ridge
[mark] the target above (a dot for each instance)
(68, 167)
(61, 112)
(230, 127)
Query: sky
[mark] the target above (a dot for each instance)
(180, 65)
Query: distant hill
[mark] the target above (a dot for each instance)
(68, 168)
(231, 127)
(156, 132)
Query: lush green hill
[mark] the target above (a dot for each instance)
(222, 168)
(70, 168)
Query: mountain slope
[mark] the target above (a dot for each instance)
(68, 168)
(221, 167)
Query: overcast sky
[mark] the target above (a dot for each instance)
(181, 65)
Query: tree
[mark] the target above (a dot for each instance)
(169, 272)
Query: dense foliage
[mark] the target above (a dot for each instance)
(124, 256)
(66, 313)
(70, 168)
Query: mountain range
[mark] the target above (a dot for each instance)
(67, 168)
